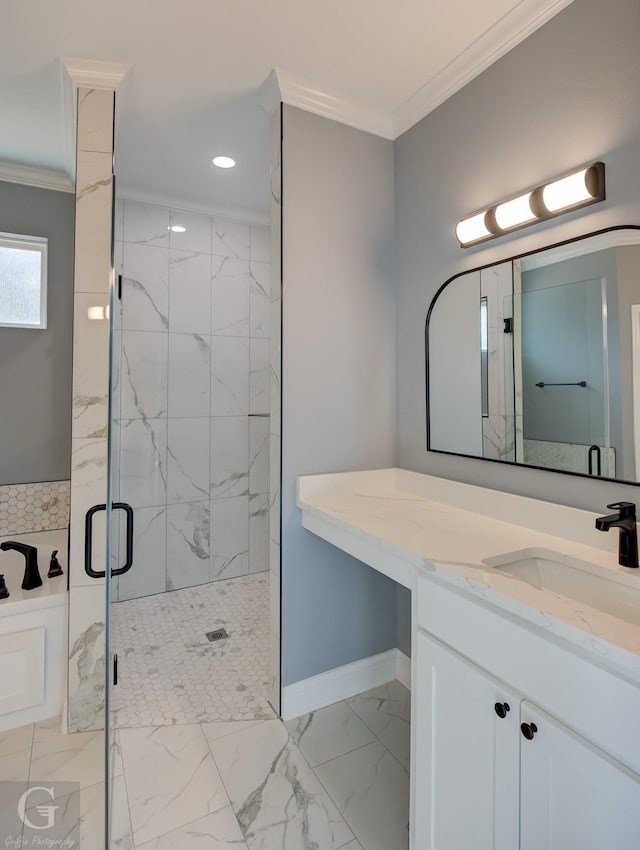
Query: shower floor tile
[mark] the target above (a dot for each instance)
(168, 671)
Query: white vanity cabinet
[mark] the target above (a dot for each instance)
(491, 779)
(466, 771)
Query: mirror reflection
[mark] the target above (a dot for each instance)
(531, 361)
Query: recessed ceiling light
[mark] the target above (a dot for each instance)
(224, 161)
(177, 228)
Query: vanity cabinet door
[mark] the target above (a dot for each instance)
(573, 796)
(466, 764)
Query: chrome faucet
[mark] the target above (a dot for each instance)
(625, 520)
(31, 578)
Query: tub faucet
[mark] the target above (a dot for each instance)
(625, 520)
(31, 578)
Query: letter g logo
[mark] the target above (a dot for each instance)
(46, 812)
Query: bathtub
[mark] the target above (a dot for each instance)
(33, 635)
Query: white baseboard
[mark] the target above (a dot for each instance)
(345, 682)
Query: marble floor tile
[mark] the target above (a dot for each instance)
(74, 757)
(329, 732)
(16, 739)
(219, 831)
(386, 711)
(276, 796)
(213, 731)
(171, 779)
(371, 790)
(14, 768)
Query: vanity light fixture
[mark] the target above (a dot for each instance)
(570, 192)
(223, 161)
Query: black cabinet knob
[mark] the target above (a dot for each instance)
(502, 708)
(528, 730)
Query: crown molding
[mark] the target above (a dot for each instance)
(41, 178)
(93, 74)
(246, 217)
(296, 91)
(509, 31)
(601, 242)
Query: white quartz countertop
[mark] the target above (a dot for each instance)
(408, 525)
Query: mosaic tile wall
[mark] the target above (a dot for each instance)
(27, 508)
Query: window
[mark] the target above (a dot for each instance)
(23, 281)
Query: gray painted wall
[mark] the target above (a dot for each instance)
(567, 95)
(338, 387)
(35, 365)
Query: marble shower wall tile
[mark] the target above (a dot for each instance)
(229, 376)
(258, 532)
(197, 234)
(87, 649)
(149, 555)
(259, 454)
(259, 376)
(146, 224)
(187, 544)
(229, 296)
(95, 106)
(260, 244)
(192, 302)
(144, 375)
(189, 375)
(188, 460)
(229, 538)
(229, 456)
(260, 299)
(145, 288)
(143, 461)
(88, 488)
(93, 221)
(189, 292)
(230, 238)
(92, 274)
(90, 367)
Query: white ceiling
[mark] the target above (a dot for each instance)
(197, 67)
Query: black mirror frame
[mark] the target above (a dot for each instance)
(426, 352)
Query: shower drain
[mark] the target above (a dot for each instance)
(219, 634)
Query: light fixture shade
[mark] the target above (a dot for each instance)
(570, 192)
(472, 229)
(574, 190)
(515, 213)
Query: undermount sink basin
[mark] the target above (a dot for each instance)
(606, 590)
